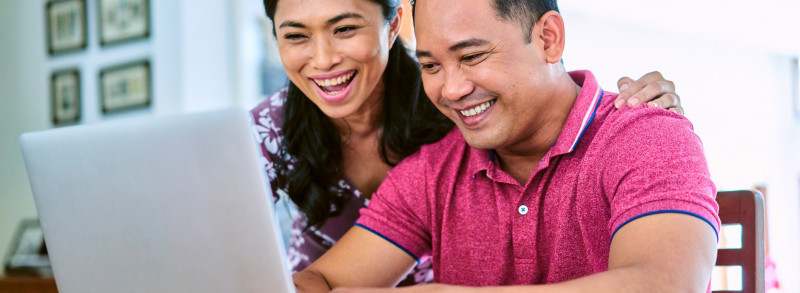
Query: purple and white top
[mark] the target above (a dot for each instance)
(305, 247)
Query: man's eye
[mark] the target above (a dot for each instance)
(429, 67)
(472, 57)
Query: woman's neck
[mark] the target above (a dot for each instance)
(366, 120)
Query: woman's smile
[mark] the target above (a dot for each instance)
(334, 87)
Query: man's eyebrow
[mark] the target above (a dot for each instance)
(458, 46)
(292, 24)
(342, 16)
(468, 43)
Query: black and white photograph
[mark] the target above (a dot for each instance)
(123, 21)
(66, 96)
(66, 26)
(125, 87)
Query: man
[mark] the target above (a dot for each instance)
(542, 186)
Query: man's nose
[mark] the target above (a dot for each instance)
(456, 85)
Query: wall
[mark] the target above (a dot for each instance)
(739, 99)
(23, 80)
(190, 50)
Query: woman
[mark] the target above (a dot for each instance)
(353, 109)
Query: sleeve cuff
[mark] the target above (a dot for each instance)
(417, 259)
(716, 232)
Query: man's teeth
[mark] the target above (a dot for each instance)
(334, 81)
(477, 110)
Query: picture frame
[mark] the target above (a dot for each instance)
(123, 21)
(27, 255)
(125, 87)
(65, 96)
(66, 26)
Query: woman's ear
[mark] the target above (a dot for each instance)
(396, 25)
(552, 35)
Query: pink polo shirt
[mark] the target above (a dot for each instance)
(608, 167)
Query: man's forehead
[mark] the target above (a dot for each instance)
(443, 23)
(448, 10)
(446, 14)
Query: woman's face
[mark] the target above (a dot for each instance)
(335, 52)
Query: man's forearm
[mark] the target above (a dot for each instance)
(617, 280)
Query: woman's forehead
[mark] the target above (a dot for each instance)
(308, 11)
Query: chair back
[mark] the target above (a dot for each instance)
(744, 207)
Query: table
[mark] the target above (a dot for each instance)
(27, 285)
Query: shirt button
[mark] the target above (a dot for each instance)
(523, 210)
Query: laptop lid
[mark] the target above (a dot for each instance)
(169, 204)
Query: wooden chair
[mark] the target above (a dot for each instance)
(744, 207)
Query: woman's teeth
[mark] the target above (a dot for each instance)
(477, 110)
(334, 81)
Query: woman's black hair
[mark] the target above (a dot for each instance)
(409, 121)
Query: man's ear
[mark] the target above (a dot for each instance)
(396, 25)
(551, 34)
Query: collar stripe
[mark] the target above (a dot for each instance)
(587, 119)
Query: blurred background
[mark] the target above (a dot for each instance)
(735, 65)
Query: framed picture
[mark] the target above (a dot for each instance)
(125, 87)
(27, 254)
(65, 98)
(123, 20)
(66, 26)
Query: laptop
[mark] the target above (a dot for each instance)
(165, 204)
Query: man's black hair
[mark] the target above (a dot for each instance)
(524, 12)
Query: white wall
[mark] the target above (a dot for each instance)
(23, 89)
(738, 97)
(190, 50)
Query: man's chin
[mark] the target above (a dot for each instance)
(478, 141)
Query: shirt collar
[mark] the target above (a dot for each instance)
(582, 113)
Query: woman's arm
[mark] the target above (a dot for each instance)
(651, 88)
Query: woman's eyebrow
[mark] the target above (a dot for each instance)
(342, 16)
(292, 24)
(333, 20)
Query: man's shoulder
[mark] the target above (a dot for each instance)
(642, 119)
(628, 131)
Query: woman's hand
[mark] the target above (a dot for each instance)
(651, 88)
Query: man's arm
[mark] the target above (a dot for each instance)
(359, 259)
(666, 252)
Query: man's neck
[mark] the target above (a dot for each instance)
(520, 159)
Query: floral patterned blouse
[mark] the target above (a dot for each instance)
(305, 247)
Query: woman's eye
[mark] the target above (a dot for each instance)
(294, 37)
(344, 30)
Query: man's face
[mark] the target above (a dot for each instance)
(480, 71)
